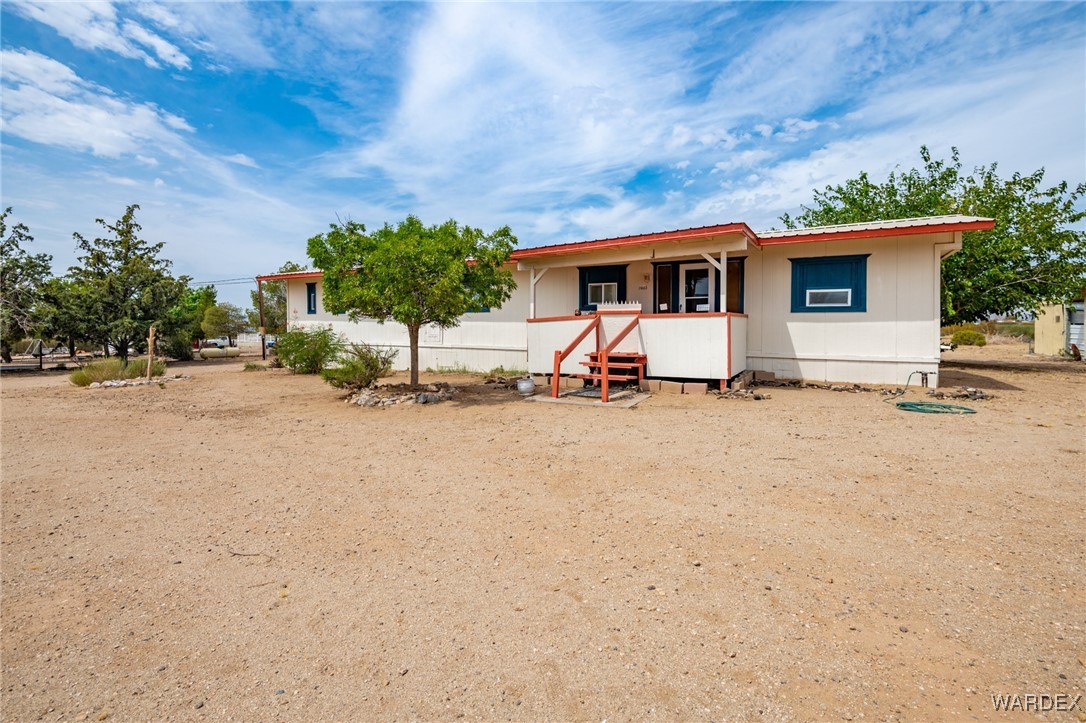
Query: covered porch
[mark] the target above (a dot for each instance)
(666, 305)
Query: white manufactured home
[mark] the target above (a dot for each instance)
(850, 303)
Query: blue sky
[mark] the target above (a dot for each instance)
(244, 129)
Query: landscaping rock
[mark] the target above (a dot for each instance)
(746, 394)
(961, 393)
(388, 396)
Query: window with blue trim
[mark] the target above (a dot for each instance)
(311, 298)
(601, 285)
(829, 283)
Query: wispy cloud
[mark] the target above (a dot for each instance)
(240, 159)
(46, 102)
(96, 26)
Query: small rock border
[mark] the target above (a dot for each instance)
(388, 396)
(748, 395)
(961, 393)
(753, 394)
(114, 383)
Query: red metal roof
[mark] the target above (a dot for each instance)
(875, 229)
(309, 274)
(684, 234)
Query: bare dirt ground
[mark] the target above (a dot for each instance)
(245, 546)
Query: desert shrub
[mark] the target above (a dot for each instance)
(254, 367)
(985, 327)
(112, 369)
(178, 346)
(308, 351)
(359, 366)
(967, 337)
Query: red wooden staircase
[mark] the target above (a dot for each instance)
(604, 365)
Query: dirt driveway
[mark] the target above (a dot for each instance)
(243, 545)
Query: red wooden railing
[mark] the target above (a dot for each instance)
(604, 381)
(560, 355)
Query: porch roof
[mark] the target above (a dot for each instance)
(700, 233)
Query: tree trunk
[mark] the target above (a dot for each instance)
(5, 352)
(413, 335)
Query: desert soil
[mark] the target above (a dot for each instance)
(245, 546)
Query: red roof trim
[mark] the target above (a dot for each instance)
(984, 225)
(291, 275)
(639, 240)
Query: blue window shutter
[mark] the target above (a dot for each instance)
(829, 272)
(311, 298)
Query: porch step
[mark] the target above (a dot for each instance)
(610, 377)
(614, 365)
(621, 367)
(619, 356)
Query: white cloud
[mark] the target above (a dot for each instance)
(165, 50)
(46, 102)
(96, 26)
(240, 159)
(742, 159)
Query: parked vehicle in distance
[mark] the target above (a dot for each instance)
(219, 343)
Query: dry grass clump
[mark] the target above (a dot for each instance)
(112, 369)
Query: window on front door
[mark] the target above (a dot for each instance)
(697, 289)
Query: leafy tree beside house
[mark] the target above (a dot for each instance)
(22, 278)
(1033, 256)
(124, 285)
(275, 302)
(413, 274)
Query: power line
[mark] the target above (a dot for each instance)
(223, 282)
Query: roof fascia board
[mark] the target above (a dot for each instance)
(879, 233)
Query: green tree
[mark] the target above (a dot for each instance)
(275, 302)
(184, 323)
(126, 287)
(224, 320)
(22, 277)
(1033, 256)
(64, 315)
(413, 274)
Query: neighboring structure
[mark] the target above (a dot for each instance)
(856, 302)
(1057, 327)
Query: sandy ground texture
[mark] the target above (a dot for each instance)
(245, 546)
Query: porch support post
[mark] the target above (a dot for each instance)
(534, 277)
(722, 267)
(724, 293)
